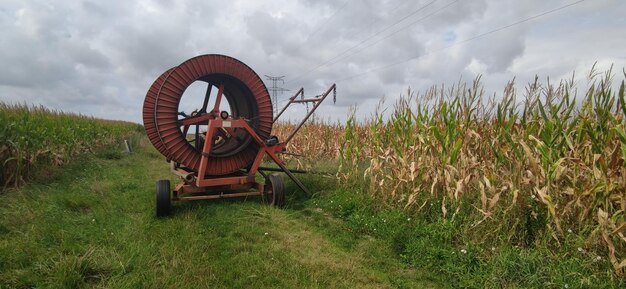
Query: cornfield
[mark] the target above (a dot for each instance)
(34, 136)
(316, 140)
(511, 169)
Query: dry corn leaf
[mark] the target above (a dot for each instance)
(494, 201)
(483, 197)
(619, 228)
(532, 160)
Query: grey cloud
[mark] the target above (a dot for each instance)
(100, 57)
(273, 33)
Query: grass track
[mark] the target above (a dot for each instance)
(92, 225)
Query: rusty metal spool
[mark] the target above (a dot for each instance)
(247, 96)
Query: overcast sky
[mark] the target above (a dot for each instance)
(100, 57)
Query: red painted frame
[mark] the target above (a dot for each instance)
(203, 184)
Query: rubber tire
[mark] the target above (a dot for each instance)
(163, 198)
(275, 183)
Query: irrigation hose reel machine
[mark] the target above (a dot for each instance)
(218, 153)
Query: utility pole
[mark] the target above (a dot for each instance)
(275, 89)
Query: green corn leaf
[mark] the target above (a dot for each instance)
(621, 134)
(621, 97)
(438, 135)
(542, 111)
(455, 150)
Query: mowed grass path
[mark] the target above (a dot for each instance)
(92, 224)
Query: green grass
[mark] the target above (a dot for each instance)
(92, 225)
(430, 243)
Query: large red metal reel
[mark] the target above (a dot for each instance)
(246, 94)
(148, 113)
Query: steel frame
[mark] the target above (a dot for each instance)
(199, 186)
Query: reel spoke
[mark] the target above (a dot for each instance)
(195, 120)
(207, 95)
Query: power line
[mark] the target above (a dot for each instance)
(362, 41)
(388, 27)
(395, 32)
(374, 21)
(365, 40)
(464, 41)
(318, 28)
